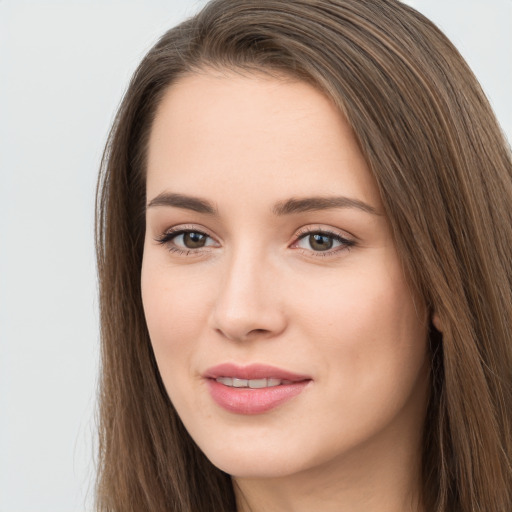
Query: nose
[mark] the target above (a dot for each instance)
(248, 304)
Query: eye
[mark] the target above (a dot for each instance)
(321, 241)
(185, 240)
(191, 239)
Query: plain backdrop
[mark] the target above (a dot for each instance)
(63, 68)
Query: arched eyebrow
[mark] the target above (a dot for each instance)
(288, 207)
(308, 204)
(195, 204)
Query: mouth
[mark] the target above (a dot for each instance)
(253, 389)
(252, 373)
(233, 382)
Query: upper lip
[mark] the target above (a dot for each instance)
(253, 371)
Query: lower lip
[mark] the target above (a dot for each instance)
(253, 401)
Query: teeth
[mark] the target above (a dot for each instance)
(258, 383)
(239, 383)
(227, 381)
(250, 383)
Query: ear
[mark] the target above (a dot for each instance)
(437, 322)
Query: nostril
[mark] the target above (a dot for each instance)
(239, 336)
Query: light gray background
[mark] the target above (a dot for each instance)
(63, 69)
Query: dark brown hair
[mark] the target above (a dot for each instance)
(444, 172)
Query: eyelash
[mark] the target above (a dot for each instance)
(345, 243)
(168, 236)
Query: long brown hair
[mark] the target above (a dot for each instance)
(444, 171)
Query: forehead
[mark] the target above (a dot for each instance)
(247, 132)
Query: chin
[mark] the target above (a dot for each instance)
(260, 466)
(263, 455)
(268, 458)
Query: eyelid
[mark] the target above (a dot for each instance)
(167, 236)
(346, 240)
(323, 228)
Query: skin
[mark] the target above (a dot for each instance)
(259, 291)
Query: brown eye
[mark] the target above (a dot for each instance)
(186, 240)
(194, 240)
(323, 242)
(319, 242)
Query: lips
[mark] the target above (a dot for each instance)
(253, 371)
(253, 389)
(233, 382)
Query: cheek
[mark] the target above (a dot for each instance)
(175, 311)
(369, 337)
(368, 328)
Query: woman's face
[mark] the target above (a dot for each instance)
(283, 326)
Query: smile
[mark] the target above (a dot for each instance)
(253, 389)
(233, 382)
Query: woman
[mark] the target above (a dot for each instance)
(305, 261)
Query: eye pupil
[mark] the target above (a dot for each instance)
(193, 240)
(320, 242)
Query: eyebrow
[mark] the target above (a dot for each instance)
(182, 201)
(288, 207)
(309, 204)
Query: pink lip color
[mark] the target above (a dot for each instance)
(253, 401)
